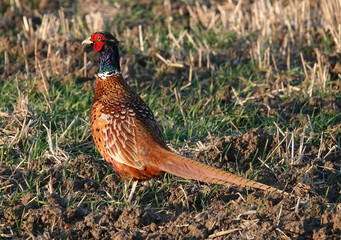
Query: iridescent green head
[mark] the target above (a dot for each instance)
(107, 46)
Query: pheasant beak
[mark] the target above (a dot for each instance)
(87, 41)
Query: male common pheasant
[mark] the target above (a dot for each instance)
(129, 138)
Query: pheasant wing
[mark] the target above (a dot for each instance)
(120, 140)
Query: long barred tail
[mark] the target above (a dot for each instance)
(187, 168)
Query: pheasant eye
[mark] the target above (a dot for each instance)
(99, 38)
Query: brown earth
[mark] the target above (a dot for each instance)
(189, 210)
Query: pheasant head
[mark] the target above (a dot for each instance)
(107, 46)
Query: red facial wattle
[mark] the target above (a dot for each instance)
(98, 40)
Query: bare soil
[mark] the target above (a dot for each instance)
(190, 210)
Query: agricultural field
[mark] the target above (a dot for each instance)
(249, 87)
